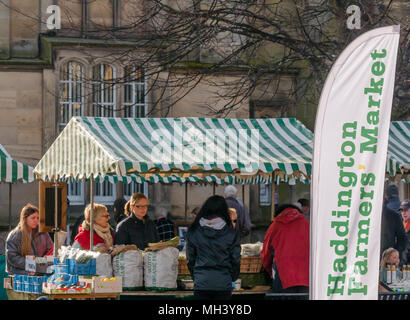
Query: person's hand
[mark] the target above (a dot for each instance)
(31, 273)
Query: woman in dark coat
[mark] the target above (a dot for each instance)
(137, 228)
(213, 251)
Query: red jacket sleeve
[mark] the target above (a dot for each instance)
(50, 253)
(83, 238)
(266, 253)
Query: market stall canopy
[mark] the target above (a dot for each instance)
(398, 150)
(12, 170)
(179, 147)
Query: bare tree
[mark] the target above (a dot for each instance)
(180, 44)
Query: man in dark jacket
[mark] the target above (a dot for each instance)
(393, 234)
(137, 229)
(392, 198)
(165, 228)
(244, 221)
(405, 212)
(286, 251)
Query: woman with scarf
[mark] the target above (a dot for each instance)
(103, 236)
(25, 240)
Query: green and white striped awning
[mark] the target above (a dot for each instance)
(177, 146)
(12, 170)
(209, 179)
(194, 179)
(398, 150)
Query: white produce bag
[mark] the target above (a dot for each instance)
(129, 265)
(104, 265)
(161, 269)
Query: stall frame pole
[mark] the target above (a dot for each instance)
(91, 212)
(186, 201)
(10, 206)
(272, 198)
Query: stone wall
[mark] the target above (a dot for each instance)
(20, 134)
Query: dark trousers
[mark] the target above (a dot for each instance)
(296, 289)
(212, 295)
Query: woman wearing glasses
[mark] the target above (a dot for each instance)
(137, 229)
(103, 236)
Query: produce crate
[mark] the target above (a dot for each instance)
(250, 280)
(182, 266)
(29, 284)
(66, 279)
(251, 264)
(103, 284)
(52, 288)
(60, 268)
(81, 268)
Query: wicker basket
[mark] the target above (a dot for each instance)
(182, 267)
(251, 264)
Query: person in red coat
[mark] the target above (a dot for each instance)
(103, 235)
(286, 250)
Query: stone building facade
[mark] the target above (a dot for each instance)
(46, 77)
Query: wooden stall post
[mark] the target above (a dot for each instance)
(55, 229)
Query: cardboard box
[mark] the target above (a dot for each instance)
(39, 264)
(101, 284)
(7, 283)
(51, 288)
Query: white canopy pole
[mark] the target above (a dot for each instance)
(10, 206)
(91, 211)
(186, 201)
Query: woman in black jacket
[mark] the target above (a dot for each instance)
(137, 229)
(213, 251)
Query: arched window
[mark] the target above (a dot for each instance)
(135, 105)
(104, 100)
(71, 92)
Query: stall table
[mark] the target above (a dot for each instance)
(82, 296)
(17, 295)
(188, 295)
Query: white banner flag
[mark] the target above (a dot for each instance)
(349, 162)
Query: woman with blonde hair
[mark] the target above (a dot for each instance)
(137, 229)
(102, 232)
(25, 240)
(390, 257)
